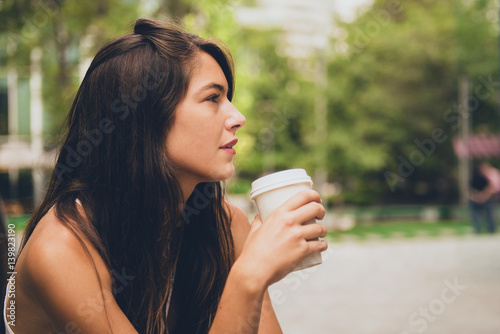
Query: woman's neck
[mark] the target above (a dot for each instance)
(187, 188)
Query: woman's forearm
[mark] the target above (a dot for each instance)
(270, 252)
(240, 305)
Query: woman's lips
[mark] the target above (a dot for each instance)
(228, 148)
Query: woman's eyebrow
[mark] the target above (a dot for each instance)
(212, 85)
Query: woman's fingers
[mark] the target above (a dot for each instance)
(285, 238)
(301, 198)
(256, 223)
(317, 246)
(313, 231)
(309, 211)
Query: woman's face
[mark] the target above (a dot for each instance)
(200, 142)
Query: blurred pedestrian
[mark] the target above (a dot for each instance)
(485, 185)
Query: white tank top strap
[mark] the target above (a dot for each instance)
(167, 308)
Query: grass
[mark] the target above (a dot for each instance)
(364, 231)
(19, 221)
(387, 230)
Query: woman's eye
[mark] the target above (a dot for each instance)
(213, 98)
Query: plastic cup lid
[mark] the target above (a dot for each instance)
(279, 179)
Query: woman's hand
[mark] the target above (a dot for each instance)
(276, 246)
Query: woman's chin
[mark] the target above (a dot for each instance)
(224, 176)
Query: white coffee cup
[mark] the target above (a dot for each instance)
(272, 190)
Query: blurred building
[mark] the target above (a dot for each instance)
(24, 164)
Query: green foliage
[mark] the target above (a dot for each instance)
(388, 230)
(59, 27)
(277, 103)
(394, 85)
(392, 80)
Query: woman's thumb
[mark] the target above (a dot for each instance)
(257, 222)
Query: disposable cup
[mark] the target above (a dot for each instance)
(272, 190)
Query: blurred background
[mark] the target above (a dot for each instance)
(386, 104)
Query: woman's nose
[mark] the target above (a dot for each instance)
(235, 120)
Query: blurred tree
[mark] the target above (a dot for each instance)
(66, 31)
(278, 103)
(394, 88)
(176, 9)
(393, 76)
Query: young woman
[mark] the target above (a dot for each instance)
(134, 234)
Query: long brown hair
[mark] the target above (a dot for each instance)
(114, 161)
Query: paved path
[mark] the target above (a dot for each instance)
(449, 285)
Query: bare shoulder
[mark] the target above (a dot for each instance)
(61, 276)
(239, 219)
(240, 227)
(54, 251)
